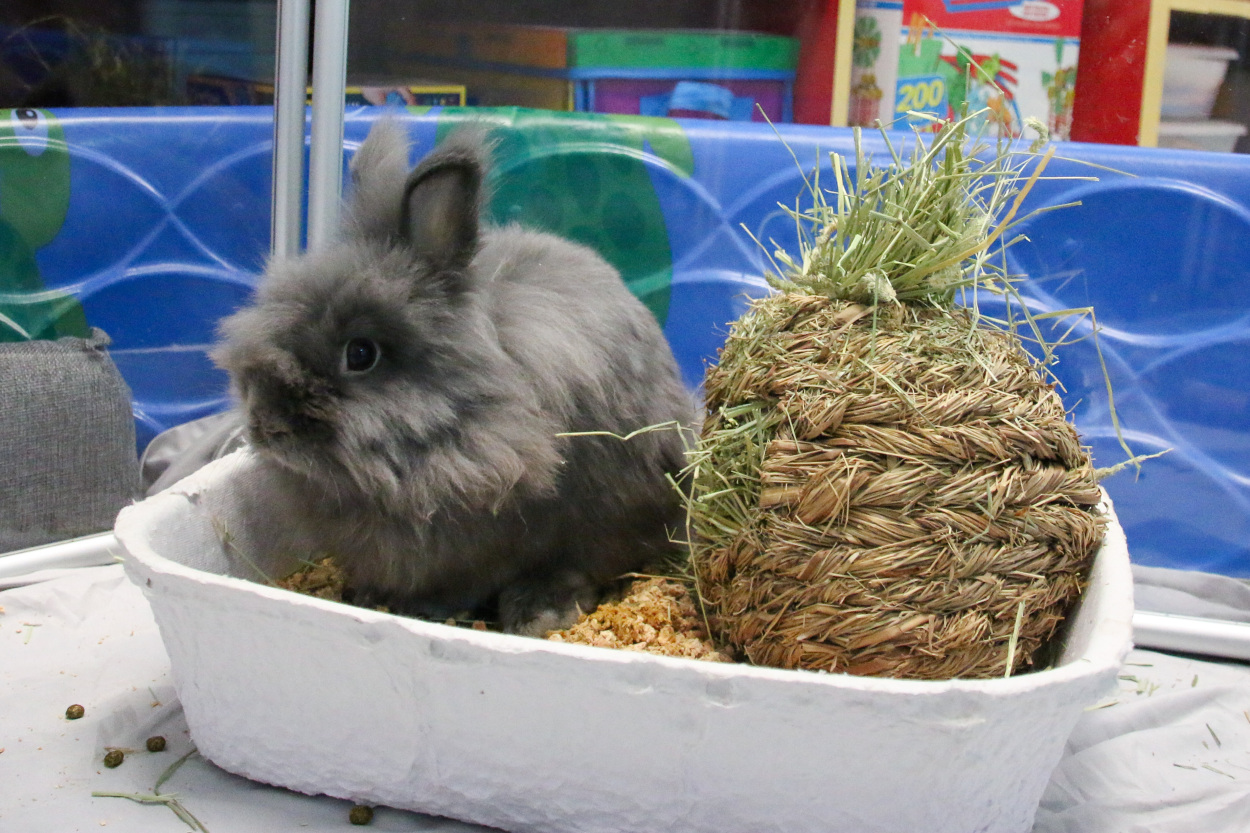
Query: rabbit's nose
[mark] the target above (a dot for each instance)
(265, 429)
(286, 417)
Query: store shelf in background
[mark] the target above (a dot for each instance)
(627, 71)
(824, 29)
(217, 90)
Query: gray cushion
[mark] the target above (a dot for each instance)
(67, 441)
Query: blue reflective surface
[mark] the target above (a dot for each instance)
(168, 229)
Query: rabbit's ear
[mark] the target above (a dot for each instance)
(378, 172)
(442, 201)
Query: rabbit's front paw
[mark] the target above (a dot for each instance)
(534, 607)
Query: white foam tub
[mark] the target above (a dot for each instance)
(528, 735)
(1192, 74)
(1218, 136)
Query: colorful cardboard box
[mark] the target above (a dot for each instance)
(1017, 58)
(711, 74)
(218, 90)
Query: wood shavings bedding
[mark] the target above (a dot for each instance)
(656, 616)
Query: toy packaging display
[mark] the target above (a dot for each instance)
(733, 76)
(1017, 59)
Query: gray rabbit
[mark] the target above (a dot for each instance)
(412, 387)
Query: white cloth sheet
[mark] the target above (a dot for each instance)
(1168, 752)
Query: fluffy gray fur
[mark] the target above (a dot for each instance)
(439, 476)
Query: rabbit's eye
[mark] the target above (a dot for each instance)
(360, 355)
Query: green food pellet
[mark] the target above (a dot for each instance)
(360, 814)
(156, 743)
(114, 758)
(74, 712)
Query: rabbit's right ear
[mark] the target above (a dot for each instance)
(442, 201)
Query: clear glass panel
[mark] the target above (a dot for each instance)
(113, 189)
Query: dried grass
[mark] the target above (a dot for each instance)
(885, 484)
(881, 494)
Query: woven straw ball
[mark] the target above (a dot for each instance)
(892, 491)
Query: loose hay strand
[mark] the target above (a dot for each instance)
(1014, 641)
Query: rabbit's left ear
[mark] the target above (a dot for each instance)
(442, 200)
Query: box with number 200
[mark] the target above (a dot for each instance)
(1015, 58)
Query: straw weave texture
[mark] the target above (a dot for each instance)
(886, 491)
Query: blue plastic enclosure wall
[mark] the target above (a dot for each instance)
(168, 229)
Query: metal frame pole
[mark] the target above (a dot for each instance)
(325, 164)
(289, 94)
(1192, 634)
(88, 551)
